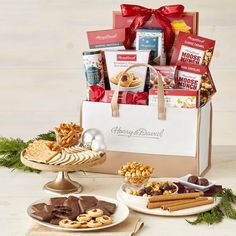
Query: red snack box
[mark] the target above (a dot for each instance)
(195, 77)
(177, 98)
(188, 22)
(192, 49)
(112, 38)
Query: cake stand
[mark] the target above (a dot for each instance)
(62, 184)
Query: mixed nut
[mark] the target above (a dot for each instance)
(154, 189)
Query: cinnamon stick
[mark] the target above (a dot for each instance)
(190, 205)
(152, 205)
(165, 206)
(181, 196)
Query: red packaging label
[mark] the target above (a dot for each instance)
(126, 57)
(111, 38)
(192, 49)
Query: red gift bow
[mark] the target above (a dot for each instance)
(142, 14)
(140, 98)
(96, 93)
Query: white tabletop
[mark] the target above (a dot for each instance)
(19, 189)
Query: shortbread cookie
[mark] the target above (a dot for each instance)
(94, 224)
(66, 223)
(106, 220)
(84, 217)
(95, 212)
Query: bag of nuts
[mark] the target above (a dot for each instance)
(195, 77)
(192, 49)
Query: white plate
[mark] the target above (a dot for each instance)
(121, 213)
(140, 206)
(184, 180)
(138, 199)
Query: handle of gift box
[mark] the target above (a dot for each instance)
(160, 92)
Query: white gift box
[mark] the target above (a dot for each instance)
(176, 145)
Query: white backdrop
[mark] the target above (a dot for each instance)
(41, 75)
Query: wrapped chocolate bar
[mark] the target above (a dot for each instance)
(118, 61)
(177, 98)
(171, 18)
(195, 77)
(167, 73)
(192, 49)
(98, 94)
(152, 39)
(112, 38)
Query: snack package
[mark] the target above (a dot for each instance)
(195, 77)
(112, 38)
(152, 39)
(98, 94)
(94, 68)
(167, 72)
(177, 98)
(118, 61)
(192, 49)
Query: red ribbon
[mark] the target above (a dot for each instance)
(142, 14)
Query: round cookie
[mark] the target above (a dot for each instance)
(66, 223)
(106, 220)
(94, 224)
(95, 212)
(83, 224)
(84, 217)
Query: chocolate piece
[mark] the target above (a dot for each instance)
(73, 203)
(38, 207)
(141, 192)
(88, 198)
(156, 193)
(56, 201)
(55, 221)
(87, 202)
(62, 212)
(148, 190)
(42, 215)
(203, 182)
(111, 207)
(193, 179)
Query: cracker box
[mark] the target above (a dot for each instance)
(177, 98)
(112, 38)
(152, 39)
(192, 49)
(118, 61)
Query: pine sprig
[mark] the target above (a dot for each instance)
(10, 150)
(225, 208)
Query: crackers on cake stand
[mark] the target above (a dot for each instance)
(62, 158)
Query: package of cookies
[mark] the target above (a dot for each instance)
(109, 39)
(118, 61)
(152, 39)
(195, 77)
(178, 98)
(192, 49)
